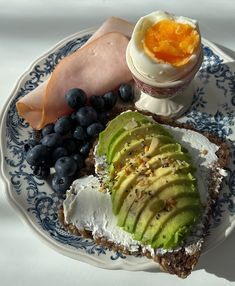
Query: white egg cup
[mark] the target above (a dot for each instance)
(170, 99)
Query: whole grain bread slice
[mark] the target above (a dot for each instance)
(180, 261)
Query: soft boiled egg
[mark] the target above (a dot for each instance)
(165, 47)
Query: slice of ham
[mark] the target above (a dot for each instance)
(30, 106)
(113, 24)
(97, 67)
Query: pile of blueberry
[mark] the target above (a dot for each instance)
(65, 144)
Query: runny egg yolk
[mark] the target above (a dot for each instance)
(171, 42)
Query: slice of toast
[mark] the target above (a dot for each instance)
(181, 260)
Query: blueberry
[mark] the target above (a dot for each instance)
(79, 160)
(36, 135)
(85, 149)
(66, 166)
(70, 145)
(73, 116)
(61, 184)
(51, 140)
(58, 153)
(63, 125)
(48, 129)
(126, 93)
(86, 115)
(75, 98)
(97, 102)
(79, 133)
(94, 129)
(30, 144)
(41, 172)
(38, 155)
(73, 120)
(103, 118)
(110, 99)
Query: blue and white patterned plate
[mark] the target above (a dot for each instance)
(213, 110)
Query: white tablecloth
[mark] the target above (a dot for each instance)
(27, 30)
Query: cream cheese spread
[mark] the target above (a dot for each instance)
(87, 208)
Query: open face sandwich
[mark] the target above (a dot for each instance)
(152, 191)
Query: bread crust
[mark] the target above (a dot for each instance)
(179, 262)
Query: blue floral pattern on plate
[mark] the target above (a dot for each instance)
(212, 110)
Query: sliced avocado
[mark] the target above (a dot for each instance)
(137, 205)
(137, 133)
(119, 178)
(126, 205)
(177, 228)
(166, 148)
(141, 195)
(139, 186)
(152, 208)
(129, 151)
(154, 163)
(119, 194)
(116, 127)
(135, 147)
(130, 223)
(168, 158)
(150, 179)
(173, 178)
(160, 220)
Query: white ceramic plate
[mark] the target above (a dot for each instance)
(213, 110)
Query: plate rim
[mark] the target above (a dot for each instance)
(67, 251)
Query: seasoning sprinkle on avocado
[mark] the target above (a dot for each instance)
(154, 190)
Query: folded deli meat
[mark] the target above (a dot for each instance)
(97, 68)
